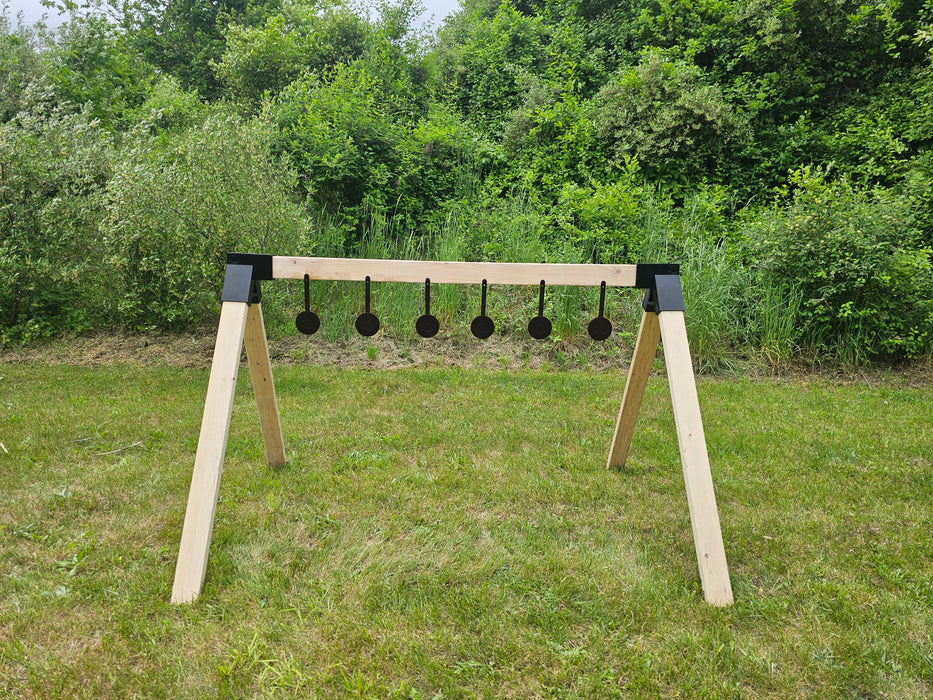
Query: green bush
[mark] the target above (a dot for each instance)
(20, 62)
(176, 206)
(301, 39)
(444, 165)
(551, 142)
(90, 66)
(487, 74)
(669, 115)
(855, 256)
(359, 147)
(168, 107)
(604, 221)
(53, 168)
(873, 139)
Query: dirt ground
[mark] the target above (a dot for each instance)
(195, 349)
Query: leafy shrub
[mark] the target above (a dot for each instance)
(551, 142)
(605, 221)
(168, 107)
(487, 73)
(176, 206)
(359, 147)
(856, 259)
(20, 63)
(301, 39)
(920, 179)
(870, 140)
(53, 168)
(91, 67)
(445, 164)
(340, 132)
(665, 113)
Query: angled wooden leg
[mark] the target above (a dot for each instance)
(645, 348)
(704, 517)
(260, 369)
(208, 463)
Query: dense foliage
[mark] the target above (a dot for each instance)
(781, 151)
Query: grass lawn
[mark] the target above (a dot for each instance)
(455, 533)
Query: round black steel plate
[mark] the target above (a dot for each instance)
(427, 326)
(539, 327)
(367, 324)
(482, 327)
(307, 322)
(600, 328)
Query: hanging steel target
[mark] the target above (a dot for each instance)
(367, 324)
(539, 327)
(307, 321)
(427, 326)
(482, 326)
(600, 327)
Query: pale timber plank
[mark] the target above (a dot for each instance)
(645, 348)
(442, 272)
(208, 462)
(260, 370)
(698, 479)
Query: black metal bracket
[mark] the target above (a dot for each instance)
(663, 290)
(646, 272)
(243, 273)
(261, 264)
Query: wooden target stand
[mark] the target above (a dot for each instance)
(241, 321)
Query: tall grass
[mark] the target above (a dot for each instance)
(717, 288)
(776, 324)
(509, 232)
(732, 313)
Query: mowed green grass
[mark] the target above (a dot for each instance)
(455, 533)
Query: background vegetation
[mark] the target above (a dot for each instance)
(781, 151)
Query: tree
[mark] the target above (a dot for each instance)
(485, 73)
(299, 39)
(20, 63)
(90, 64)
(184, 38)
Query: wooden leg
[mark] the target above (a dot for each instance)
(645, 348)
(260, 369)
(208, 463)
(704, 517)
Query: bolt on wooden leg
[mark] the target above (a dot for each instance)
(645, 348)
(260, 369)
(701, 498)
(208, 463)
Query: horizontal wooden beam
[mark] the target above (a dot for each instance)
(442, 272)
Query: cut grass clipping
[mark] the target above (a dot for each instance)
(454, 533)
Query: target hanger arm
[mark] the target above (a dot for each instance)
(447, 272)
